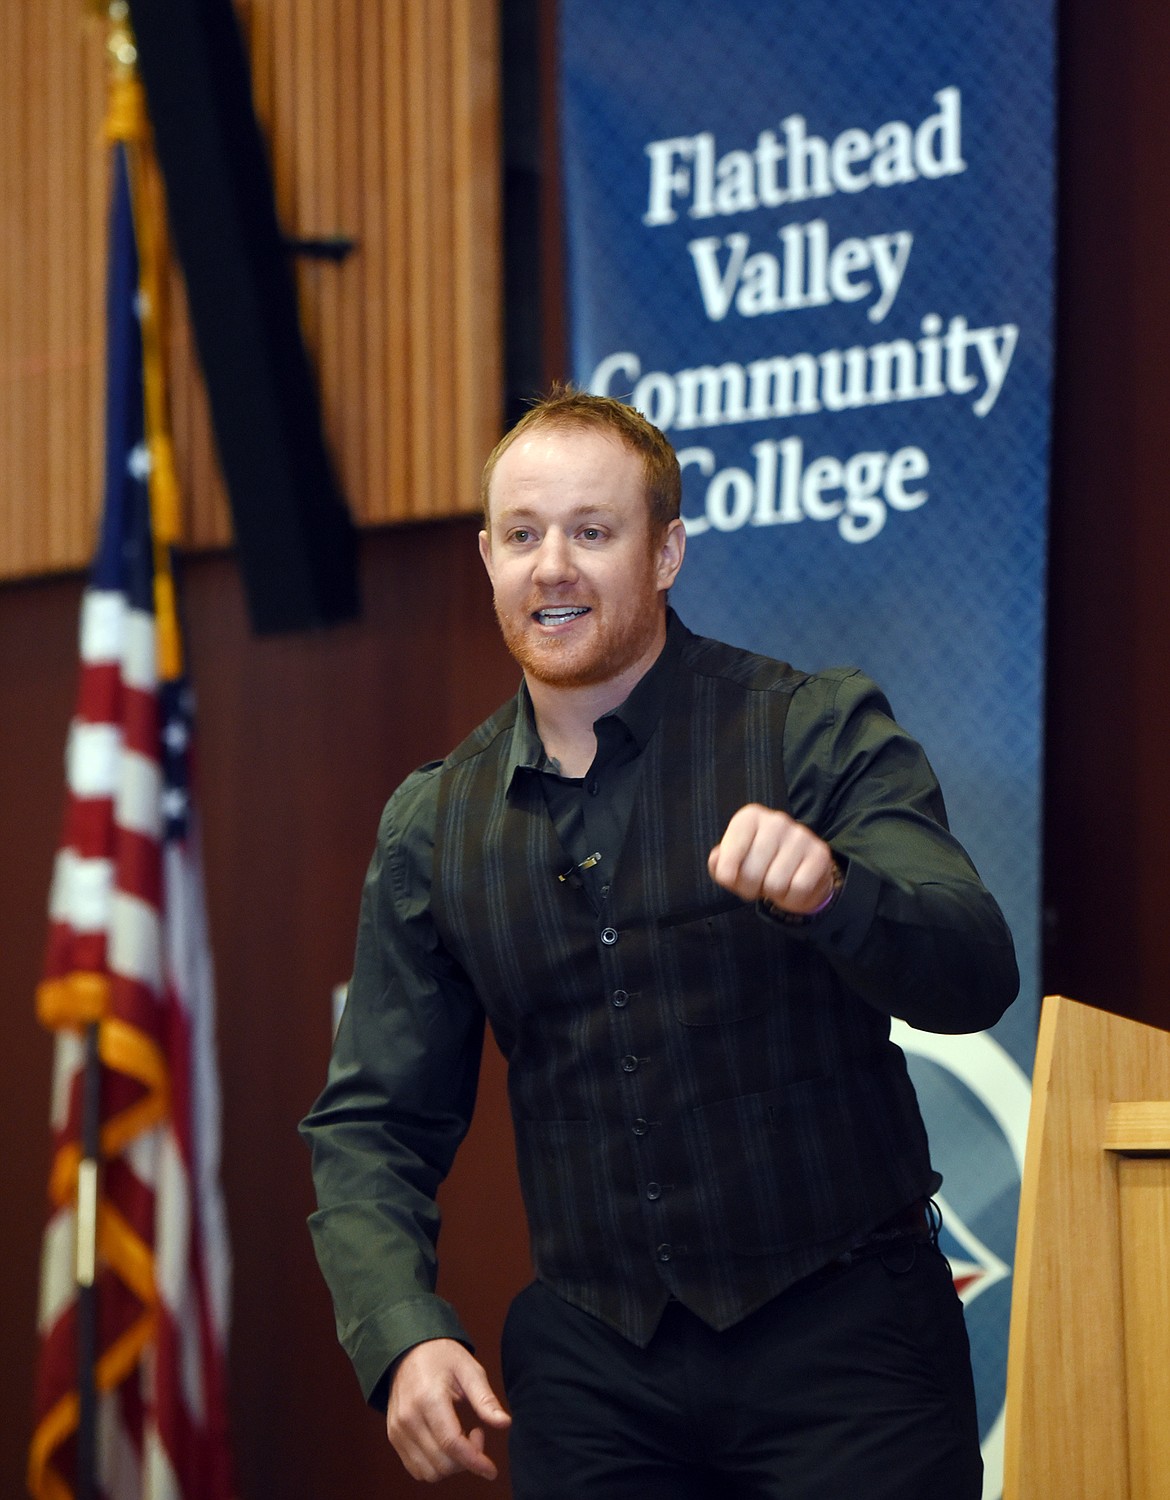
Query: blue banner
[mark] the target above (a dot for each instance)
(814, 244)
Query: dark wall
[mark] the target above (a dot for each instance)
(302, 737)
(38, 662)
(1107, 826)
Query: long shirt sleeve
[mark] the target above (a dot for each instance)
(914, 931)
(397, 1103)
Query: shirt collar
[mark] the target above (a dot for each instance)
(639, 714)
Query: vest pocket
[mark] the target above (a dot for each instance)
(802, 1163)
(706, 959)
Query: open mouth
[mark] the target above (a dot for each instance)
(559, 616)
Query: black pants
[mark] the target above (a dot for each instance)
(853, 1385)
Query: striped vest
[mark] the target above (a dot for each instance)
(701, 1108)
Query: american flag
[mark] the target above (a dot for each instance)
(128, 979)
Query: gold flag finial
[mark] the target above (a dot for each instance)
(126, 115)
(120, 45)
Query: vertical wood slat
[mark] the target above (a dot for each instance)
(94, 239)
(76, 473)
(52, 133)
(10, 225)
(393, 230)
(40, 271)
(419, 248)
(373, 194)
(322, 219)
(477, 270)
(346, 388)
(436, 496)
(381, 118)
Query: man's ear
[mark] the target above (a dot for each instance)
(485, 551)
(670, 552)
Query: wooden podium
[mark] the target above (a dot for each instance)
(1088, 1381)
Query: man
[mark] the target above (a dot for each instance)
(688, 887)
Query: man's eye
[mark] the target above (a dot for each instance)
(521, 535)
(591, 533)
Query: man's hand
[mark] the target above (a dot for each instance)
(766, 855)
(431, 1381)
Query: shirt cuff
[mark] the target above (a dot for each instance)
(843, 926)
(387, 1334)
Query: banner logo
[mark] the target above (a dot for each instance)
(975, 1099)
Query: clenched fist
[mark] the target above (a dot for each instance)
(765, 855)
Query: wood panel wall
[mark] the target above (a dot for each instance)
(382, 118)
(52, 203)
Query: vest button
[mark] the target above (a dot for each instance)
(620, 998)
(654, 1191)
(609, 936)
(663, 1253)
(641, 1127)
(629, 1064)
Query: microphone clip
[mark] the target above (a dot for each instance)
(586, 864)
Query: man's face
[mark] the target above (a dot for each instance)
(577, 578)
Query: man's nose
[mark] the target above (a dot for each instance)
(554, 560)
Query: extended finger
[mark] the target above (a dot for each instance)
(466, 1450)
(444, 1449)
(478, 1394)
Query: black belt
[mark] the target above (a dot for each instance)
(918, 1222)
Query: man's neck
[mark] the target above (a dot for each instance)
(565, 716)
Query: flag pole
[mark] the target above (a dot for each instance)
(88, 1182)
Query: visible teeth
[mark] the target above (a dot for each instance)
(558, 616)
